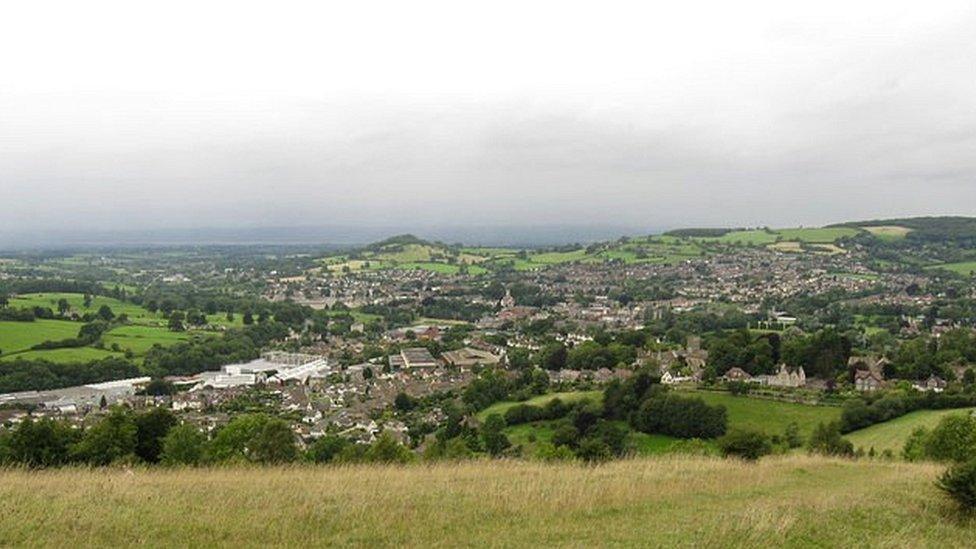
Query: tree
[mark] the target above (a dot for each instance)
(160, 387)
(248, 318)
(953, 439)
(87, 300)
(42, 443)
(553, 356)
(492, 435)
(274, 443)
(183, 445)
(232, 442)
(402, 402)
(749, 445)
(792, 435)
(386, 449)
(176, 322)
(959, 483)
(105, 313)
(63, 306)
(151, 428)
(594, 449)
(826, 440)
(112, 439)
(326, 449)
(4, 301)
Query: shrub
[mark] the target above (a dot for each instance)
(826, 440)
(914, 449)
(750, 445)
(953, 439)
(959, 483)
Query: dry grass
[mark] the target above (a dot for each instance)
(671, 501)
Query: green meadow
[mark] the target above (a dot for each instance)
(892, 435)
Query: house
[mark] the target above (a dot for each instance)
(934, 383)
(786, 377)
(737, 374)
(866, 381)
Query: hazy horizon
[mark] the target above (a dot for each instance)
(120, 118)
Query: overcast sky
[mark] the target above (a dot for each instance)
(226, 114)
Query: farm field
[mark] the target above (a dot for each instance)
(771, 416)
(823, 235)
(965, 268)
(792, 501)
(20, 336)
(145, 330)
(141, 338)
(757, 237)
(75, 354)
(888, 232)
(541, 400)
(892, 435)
(77, 302)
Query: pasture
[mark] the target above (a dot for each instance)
(892, 435)
(790, 501)
(541, 400)
(888, 232)
(20, 336)
(964, 268)
(770, 416)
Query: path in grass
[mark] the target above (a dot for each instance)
(891, 435)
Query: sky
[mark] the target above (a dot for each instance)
(136, 115)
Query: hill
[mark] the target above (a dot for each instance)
(795, 501)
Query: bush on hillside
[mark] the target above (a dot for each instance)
(749, 445)
(959, 483)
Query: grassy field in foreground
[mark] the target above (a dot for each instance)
(891, 435)
(794, 501)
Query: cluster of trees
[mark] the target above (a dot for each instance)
(157, 437)
(39, 375)
(922, 356)
(739, 348)
(494, 385)
(651, 407)
(210, 353)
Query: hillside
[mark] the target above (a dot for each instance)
(410, 252)
(795, 501)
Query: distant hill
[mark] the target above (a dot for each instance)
(959, 229)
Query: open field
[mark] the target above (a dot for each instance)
(541, 400)
(145, 330)
(756, 237)
(141, 338)
(795, 501)
(77, 302)
(771, 416)
(19, 336)
(965, 268)
(888, 232)
(816, 235)
(891, 435)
